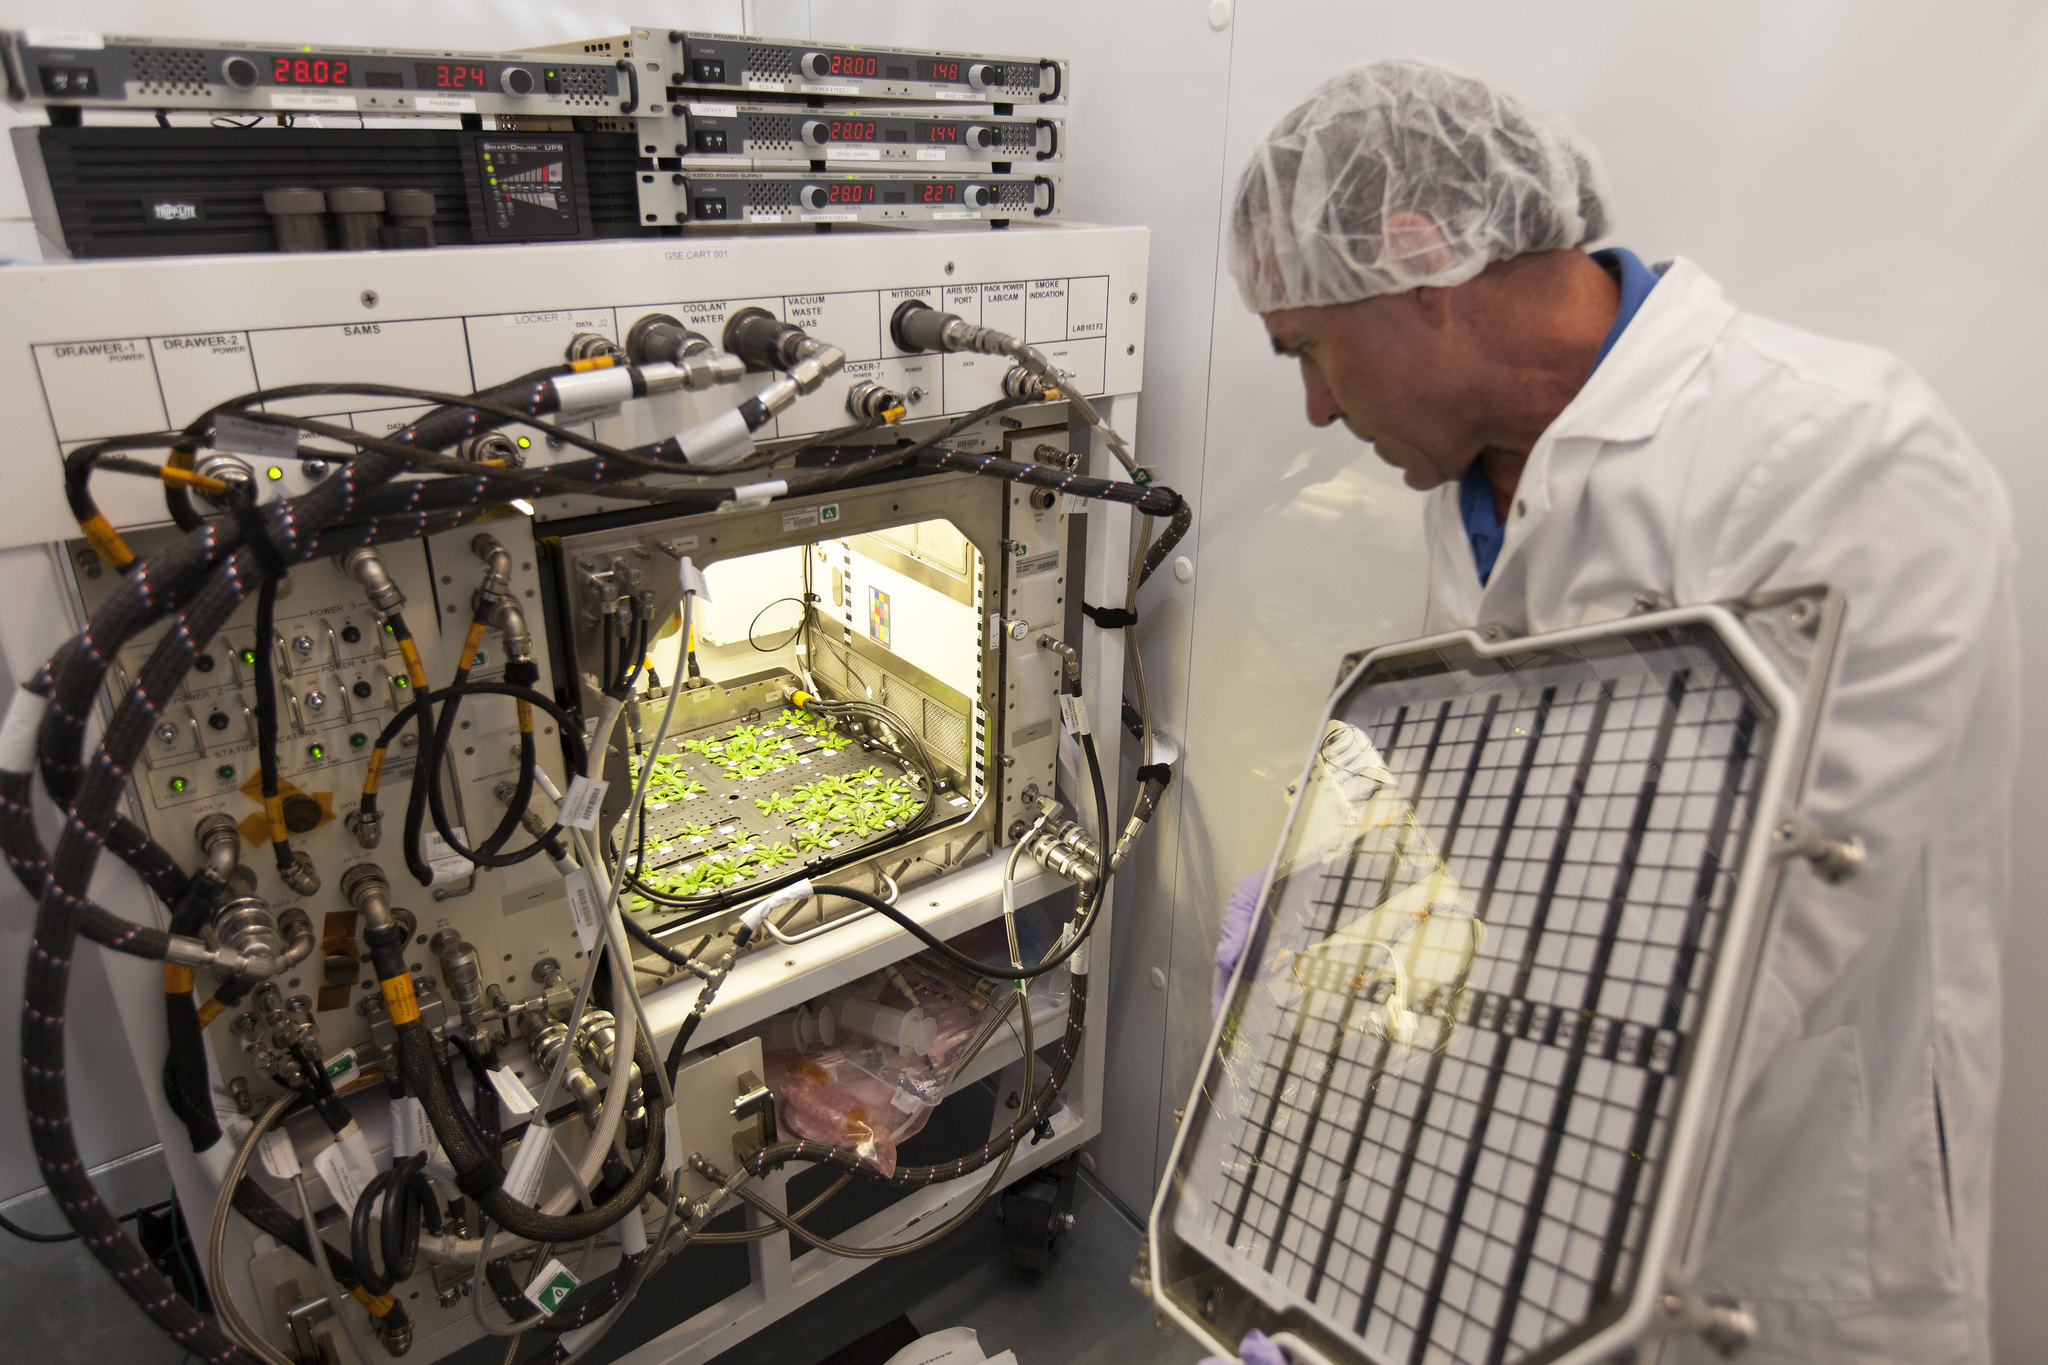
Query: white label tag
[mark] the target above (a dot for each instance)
(809, 88)
(835, 216)
(1071, 714)
(77, 39)
(931, 154)
(301, 99)
(767, 85)
(280, 1158)
(995, 629)
(839, 151)
(672, 1156)
(804, 518)
(411, 1134)
(522, 1182)
(445, 863)
(938, 214)
(240, 436)
(583, 910)
(445, 104)
(715, 110)
(553, 1286)
(691, 577)
(18, 732)
(581, 802)
(958, 94)
(1073, 504)
(513, 1094)
(342, 1178)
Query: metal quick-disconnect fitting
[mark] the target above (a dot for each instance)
(366, 566)
(365, 887)
(868, 401)
(366, 826)
(301, 876)
(917, 326)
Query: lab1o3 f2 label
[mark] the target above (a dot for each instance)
(805, 518)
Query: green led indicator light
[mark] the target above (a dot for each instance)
(401, 683)
(226, 772)
(525, 442)
(388, 630)
(316, 751)
(178, 786)
(273, 473)
(248, 656)
(358, 740)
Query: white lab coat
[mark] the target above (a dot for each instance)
(1714, 454)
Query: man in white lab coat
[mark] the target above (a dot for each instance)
(1597, 435)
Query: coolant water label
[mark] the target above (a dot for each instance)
(581, 802)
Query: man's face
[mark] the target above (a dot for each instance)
(1391, 373)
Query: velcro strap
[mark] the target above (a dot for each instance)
(259, 535)
(1109, 618)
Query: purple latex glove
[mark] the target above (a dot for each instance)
(1256, 1348)
(1237, 928)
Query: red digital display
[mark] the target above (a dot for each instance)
(942, 132)
(941, 194)
(853, 64)
(850, 194)
(938, 71)
(308, 71)
(851, 130)
(449, 76)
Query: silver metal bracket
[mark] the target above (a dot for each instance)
(1835, 858)
(1722, 1323)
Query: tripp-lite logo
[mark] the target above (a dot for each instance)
(174, 212)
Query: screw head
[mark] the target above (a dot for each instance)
(369, 297)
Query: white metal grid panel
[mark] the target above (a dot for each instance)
(1445, 1089)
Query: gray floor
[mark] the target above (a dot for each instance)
(1080, 1311)
(63, 1306)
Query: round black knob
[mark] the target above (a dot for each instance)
(516, 81)
(816, 132)
(815, 64)
(812, 196)
(239, 72)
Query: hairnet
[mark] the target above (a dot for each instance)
(1318, 217)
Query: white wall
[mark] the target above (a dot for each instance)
(1866, 168)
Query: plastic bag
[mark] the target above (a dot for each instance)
(872, 1093)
